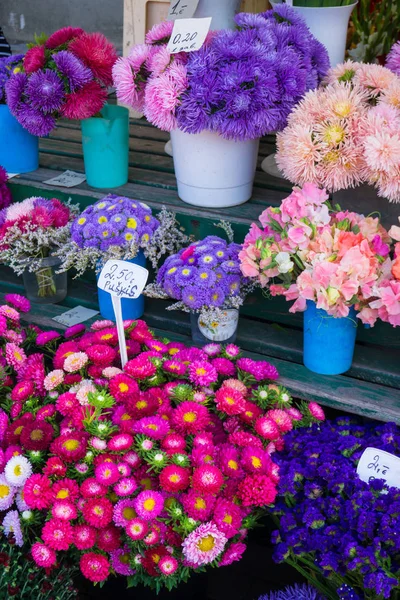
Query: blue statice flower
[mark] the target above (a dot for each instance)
(330, 520)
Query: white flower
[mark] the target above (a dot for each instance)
(285, 265)
(27, 515)
(17, 470)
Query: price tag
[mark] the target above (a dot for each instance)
(182, 9)
(189, 35)
(76, 315)
(67, 179)
(378, 464)
(122, 279)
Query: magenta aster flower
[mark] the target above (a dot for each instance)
(84, 537)
(202, 373)
(43, 555)
(57, 534)
(19, 302)
(198, 506)
(267, 428)
(233, 554)
(227, 517)
(224, 367)
(168, 565)
(175, 367)
(155, 427)
(230, 401)
(107, 473)
(74, 330)
(64, 510)
(149, 505)
(190, 417)
(124, 512)
(207, 479)
(212, 349)
(137, 529)
(98, 512)
(125, 486)
(255, 460)
(120, 560)
(91, 488)
(316, 411)
(95, 567)
(204, 544)
(46, 337)
(120, 442)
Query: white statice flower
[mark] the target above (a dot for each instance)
(27, 515)
(18, 470)
(285, 265)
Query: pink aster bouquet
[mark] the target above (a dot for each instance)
(65, 75)
(338, 259)
(30, 232)
(151, 472)
(346, 132)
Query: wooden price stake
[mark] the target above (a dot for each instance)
(122, 279)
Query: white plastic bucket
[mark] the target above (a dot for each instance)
(329, 25)
(211, 171)
(222, 12)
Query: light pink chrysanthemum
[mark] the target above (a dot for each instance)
(75, 362)
(204, 544)
(53, 380)
(160, 33)
(15, 356)
(162, 96)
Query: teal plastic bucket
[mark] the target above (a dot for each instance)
(131, 309)
(19, 150)
(328, 342)
(105, 143)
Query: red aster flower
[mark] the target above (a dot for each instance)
(101, 354)
(62, 36)
(141, 334)
(173, 443)
(97, 53)
(67, 403)
(257, 490)
(123, 388)
(38, 492)
(267, 428)
(54, 467)
(95, 567)
(140, 367)
(72, 378)
(98, 512)
(66, 489)
(251, 412)
(152, 558)
(70, 447)
(85, 102)
(207, 479)
(108, 539)
(282, 419)
(57, 534)
(144, 405)
(37, 435)
(14, 431)
(22, 391)
(108, 335)
(64, 350)
(91, 488)
(230, 401)
(174, 478)
(84, 537)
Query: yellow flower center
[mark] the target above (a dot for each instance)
(175, 478)
(249, 414)
(128, 237)
(152, 426)
(17, 470)
(206, 543)
(132, 223)
(36, 435)
(342, 109)
(82, 221)
(19, 430)
(200, 371)
(232, 464)
(98, 510)
(203, 275)
(256, 462)
(156, 558)
(230, 401)
(227, 519)
(128, 513)
(171, 270)
(125, 417)
(71, 445)
(124, 559)
(102, 220)
(63, 494)
(334, 134)
(107, 336)
(149, 504)
(123, 387)
(173, 351)
(141, 404)
(208, 458)
(200, 503)
(17, 355)
(4, 491)
(189, 417)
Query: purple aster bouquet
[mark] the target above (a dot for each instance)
(204, 278)
(7, 66)
(119, 228)
(65, 75)
(295, 592)
(336, 530)
(241, 84)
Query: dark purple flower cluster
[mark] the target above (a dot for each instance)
(244, 83)
(5, 194)
(295, 592)
(114, 221)
(342, 529)
(7, 66)
(206, 273)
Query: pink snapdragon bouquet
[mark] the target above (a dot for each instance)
(306, 250)
(346, 132)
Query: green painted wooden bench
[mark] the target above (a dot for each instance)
(266, 330)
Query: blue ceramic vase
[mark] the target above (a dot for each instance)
(328, 342)
(105, 143)
(19, 150)
(131, 309)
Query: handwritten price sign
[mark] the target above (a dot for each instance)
(122, 279)
(189, 35)
(378, 464)
(182, 9)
